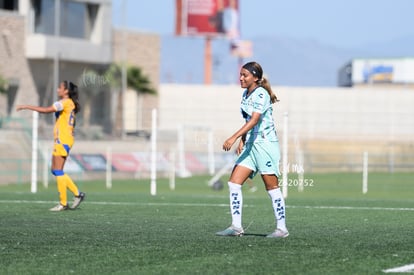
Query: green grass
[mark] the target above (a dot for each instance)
(125, 230)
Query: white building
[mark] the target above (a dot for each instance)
(394, 71)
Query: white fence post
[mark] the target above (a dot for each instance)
(35, 142)
(210, 146)
(154, 153)
(285, 156)
(109, 167)
(172, 170)
(365, 173)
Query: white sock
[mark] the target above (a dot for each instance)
(236, 204)
(279, 208)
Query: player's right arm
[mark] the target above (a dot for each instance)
(242, 131)
(49, 109)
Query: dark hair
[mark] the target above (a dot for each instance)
(73, 94)
(256, 70)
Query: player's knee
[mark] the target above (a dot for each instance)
(57, 173)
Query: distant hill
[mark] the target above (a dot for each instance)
(398, 47)
(286, 61)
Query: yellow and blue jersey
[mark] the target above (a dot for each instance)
(65, 121)
(259, 102)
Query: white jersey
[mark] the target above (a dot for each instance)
(259, 102)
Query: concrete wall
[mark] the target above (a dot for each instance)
(141, 50)
(14, 65)
(314, 113)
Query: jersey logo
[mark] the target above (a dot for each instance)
(269, 164)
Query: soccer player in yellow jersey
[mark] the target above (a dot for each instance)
(65, 112)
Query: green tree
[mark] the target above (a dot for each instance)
(136, 81)
(139, 82)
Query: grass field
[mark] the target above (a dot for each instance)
(334, 229)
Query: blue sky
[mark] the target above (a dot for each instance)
(340, 23)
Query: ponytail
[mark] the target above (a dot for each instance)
(73, 94)
(266, 85)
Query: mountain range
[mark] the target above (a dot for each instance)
(286, 61)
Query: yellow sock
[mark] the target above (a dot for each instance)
(71, 185)
(61, 186)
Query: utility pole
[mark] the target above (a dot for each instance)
(208, 63)
(124, 64)
(56, 56)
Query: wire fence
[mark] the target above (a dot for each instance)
(329, 130)
(131, 159)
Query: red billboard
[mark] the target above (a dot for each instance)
(207, 17)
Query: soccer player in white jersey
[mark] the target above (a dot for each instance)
(258, 150)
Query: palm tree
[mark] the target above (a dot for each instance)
(3, 90)
(3, 85)
(136, 81)
(139, 82)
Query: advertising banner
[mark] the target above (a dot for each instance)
(126, 162)
(91, 162)
(207, 17)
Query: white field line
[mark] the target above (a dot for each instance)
(213, 205)
(404, 268)
(123, 203)
(352, 208)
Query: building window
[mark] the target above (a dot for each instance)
(77, 19)
(11, 5)
(44, 11)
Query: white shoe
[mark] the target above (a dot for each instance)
(77, 200)
(279, 233)
(58, 207)
(231, 231)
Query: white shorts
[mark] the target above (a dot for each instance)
(261, 157)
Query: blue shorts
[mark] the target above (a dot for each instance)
(262, 157)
